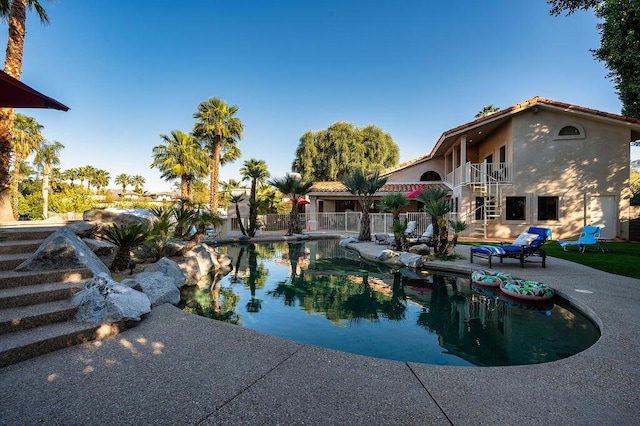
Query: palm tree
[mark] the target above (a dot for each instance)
(15, 12)
(457, 226)
(101, 179)
(394, 203)
(180, 156)
(47, 157)
(124, 180)
(237, 199)
(293, 188)
(436, 206)
(256, 171)
(486, 110)
(201, 220)
(72, 175)
(364, 188)
(216, 126)
(126, 238)
(225, 188)
(90, 175)
(27, 138)
(138, 182)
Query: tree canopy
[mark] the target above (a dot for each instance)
(619, 44)
(331, 154)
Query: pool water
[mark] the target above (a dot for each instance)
(319, 293)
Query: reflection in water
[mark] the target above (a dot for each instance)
(292, 289)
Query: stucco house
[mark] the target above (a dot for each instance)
(540, 162)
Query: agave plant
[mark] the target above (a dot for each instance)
(126, 237)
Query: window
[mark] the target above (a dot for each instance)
(547, 208)
(430, 176)
(503, 154)
(479, 209)
(515, 208)
(345, 205)
(570, 131)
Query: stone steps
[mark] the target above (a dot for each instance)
(36, 316)
(22, 345)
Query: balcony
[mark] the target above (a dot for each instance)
(480, 174)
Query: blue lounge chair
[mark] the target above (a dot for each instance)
(590, 236)
(525, 246)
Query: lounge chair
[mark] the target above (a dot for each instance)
(526, 245)
(411, 229)
(590, 236)
(384, 238)
(425, 238)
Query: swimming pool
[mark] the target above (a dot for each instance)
(319, 293)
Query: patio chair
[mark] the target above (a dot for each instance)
(384, 238)
(590, 236)
(526, 245)
(411, 229)
(425, 238)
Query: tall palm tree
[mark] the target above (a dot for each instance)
(180, 156)
(138, 182)
(255, 171)
(216, 125)
(27, 139)
(47, 157)
(226, 187)
(124, 180)
(364, 188)
(292, 187)
(72, 175)
(486, 110)
(15, 12)
(101, 179)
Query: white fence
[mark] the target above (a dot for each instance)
(334, 222)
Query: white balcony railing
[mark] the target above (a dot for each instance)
(480, 173)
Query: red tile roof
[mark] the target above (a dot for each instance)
(339, 189)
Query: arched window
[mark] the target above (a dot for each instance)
(430, 176)
(570, 131)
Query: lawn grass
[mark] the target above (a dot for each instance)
(622, 258)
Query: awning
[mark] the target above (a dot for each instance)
(15, 94)
(416, 192)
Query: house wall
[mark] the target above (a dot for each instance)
(575, 170)
(413, 173)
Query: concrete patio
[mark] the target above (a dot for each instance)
(177, 368)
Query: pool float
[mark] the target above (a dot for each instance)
(489, 278)
(527, 290)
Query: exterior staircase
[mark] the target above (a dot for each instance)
(36, 316)
(491, 192)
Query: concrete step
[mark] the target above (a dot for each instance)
(26, 344)
(11, 279)
(26, 233)
(26, 317)
(19, 246)
(8, 262)
(41, 293)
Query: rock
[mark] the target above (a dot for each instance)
(83, 229)
(206, 256)
(411, 260)
(421, 249)
(348, 240)
(191, 270)
(63, 250)
(169, 268)
(104, 300)
(100, 247)
(387, 255)
(174, 247)
(158, 287)
(225, 261)
(202, 261)
(110, 217)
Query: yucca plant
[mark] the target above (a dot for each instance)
(126, 237)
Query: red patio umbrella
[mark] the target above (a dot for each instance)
(416, 192)
(16, 94)
(301, 201)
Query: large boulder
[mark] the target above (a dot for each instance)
(421, 249)
(158, 287)
(111, 217)
(104, 300)
(100, 247)
(84, 229)
(169, 268)
(63, 250)
(203, 260)
(412, 260)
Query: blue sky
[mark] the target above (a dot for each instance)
(412, 68)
